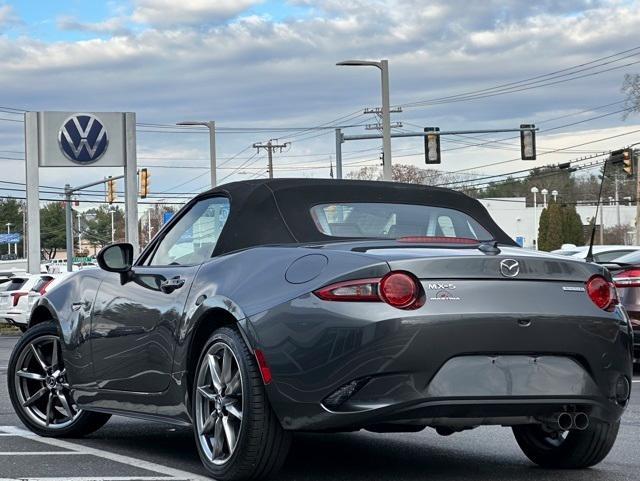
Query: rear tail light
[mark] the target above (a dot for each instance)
(628, 278)
(43, 289)
(602, 292)
(16, 297)
(360, 290)
(398, 289)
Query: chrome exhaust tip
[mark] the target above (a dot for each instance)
(580, 421)
(565, 421)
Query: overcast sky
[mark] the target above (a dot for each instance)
(258, 64)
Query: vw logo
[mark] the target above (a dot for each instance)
(509, 267)
(83, 139)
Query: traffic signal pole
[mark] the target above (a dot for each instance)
(68, 193)
(636, 159)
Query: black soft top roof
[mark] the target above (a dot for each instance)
(276, 211)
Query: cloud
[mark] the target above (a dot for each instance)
(115, 26)
(249, 70)
(8, 17)
(188, 12)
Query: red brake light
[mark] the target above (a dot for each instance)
(437, 240)
(400, 290)
(628, 278)
(601, 292)
(16, 296)
(360, 290)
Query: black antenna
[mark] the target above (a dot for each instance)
(589, 257)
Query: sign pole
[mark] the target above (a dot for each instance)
(69, 226)
(32, 153)
(131, 182)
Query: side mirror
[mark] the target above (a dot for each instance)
(116, 258)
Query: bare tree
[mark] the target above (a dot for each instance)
(410, 174)
(631, 88)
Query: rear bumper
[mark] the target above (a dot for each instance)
(475, 368)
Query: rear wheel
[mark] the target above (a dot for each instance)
(237, 434)
(39, 389)
(567, 449)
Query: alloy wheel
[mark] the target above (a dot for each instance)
(41, 384)
(219, 398)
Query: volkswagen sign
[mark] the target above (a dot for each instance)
(83, 138)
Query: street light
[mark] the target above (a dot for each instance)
(112, 211)
(554, 193)
(544, 193)
(534, 191)
(383, 65)
(211, 125)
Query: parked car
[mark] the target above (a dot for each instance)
(271, 306)
(626, 275)
(601, 253)
(17, 299)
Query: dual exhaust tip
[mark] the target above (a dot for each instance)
(567, 421)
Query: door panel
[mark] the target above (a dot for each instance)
(134, 327)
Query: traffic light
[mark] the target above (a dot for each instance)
(624, 157)
(528, 142)
(432, 146)
(111, 190)
(144, 183)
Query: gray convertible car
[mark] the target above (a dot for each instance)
(273, 306)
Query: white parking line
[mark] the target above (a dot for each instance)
(101, 478)
(36, 453)
(171, 473)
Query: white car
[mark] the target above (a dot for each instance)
(601, 254)
(18, 297)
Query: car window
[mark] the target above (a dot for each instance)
(632, 257)
(192, 239)
(393, 221)
(40, 283)
(14, 284)
(611, 255)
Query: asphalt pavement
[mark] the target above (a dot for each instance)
(130, 450)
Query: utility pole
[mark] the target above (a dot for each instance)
(339, 141)
(636, 157)
(601, 223)
(269, 147)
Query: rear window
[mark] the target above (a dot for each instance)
(14, 284)
(394, 221)
(40, 283)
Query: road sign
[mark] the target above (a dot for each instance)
(13, 238)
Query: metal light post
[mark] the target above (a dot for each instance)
(554, 193)
(8, 224)
(383, 65)
(534, 191)
(544, 193)
(211, 125)
(112, 211)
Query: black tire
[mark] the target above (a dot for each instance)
(81, 423)
(579, 449)
(262, 444)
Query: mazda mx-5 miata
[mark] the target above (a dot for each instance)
(273, 306)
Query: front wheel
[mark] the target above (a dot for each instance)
(39, 390)
(568, 449)
(237, 434)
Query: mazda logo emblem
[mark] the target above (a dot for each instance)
(83, 138)
(509, 267)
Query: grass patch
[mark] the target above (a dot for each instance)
(8, 330)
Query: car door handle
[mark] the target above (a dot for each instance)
(172, 284)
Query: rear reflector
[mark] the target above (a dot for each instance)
(265, 372)
(602, 292)
(628, 278)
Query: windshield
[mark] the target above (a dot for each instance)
(395, 221)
